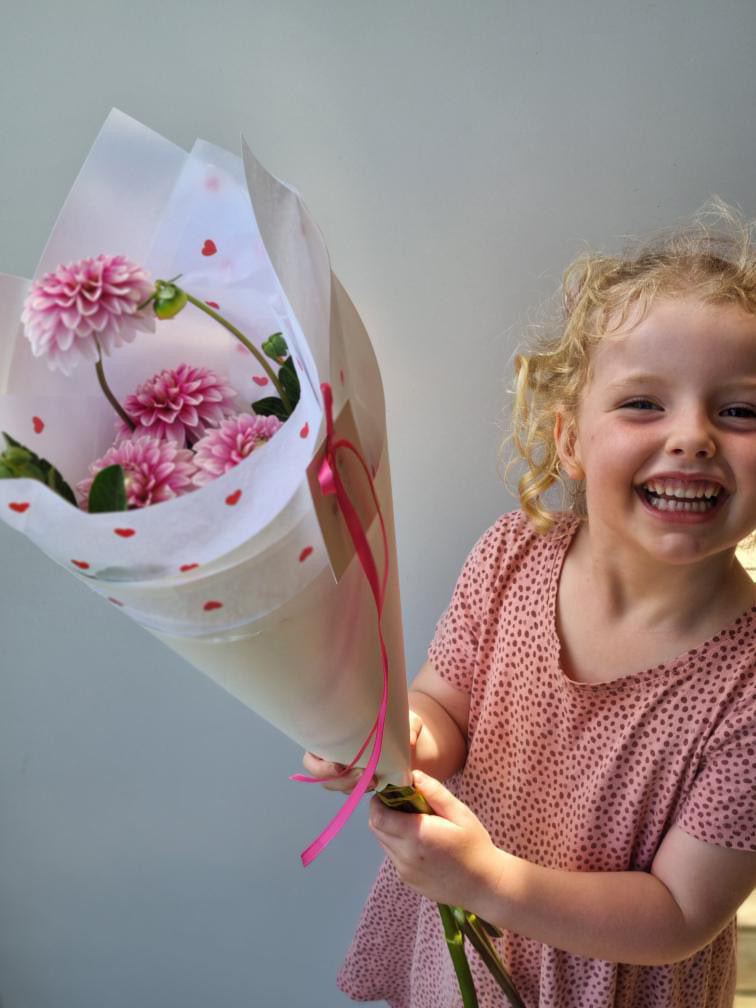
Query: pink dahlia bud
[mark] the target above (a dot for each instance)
(221, 449)
(94, 301)
(180, 404)
(154, 470)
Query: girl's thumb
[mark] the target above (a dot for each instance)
(438, 797)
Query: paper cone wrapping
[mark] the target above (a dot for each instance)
(249, 578)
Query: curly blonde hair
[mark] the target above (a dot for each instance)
(712, 256)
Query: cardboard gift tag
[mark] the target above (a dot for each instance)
(338, 542)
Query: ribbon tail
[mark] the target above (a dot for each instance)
(331, 484)
(319, 845)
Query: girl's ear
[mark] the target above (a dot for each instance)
(567, 445)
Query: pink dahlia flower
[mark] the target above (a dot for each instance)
(154, 470)
(180, 404)
(94, 301)
(221, 449)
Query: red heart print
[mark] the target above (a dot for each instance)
(81, 563)
(213, 304)
(209, 248)
(305, 431)
(305, 553)
(187, 567)
(234, 498)
(212, 183)
(18, 506)
(125, 533)
(209, 606)
(39, 425)
(260, 381)
(114, 600)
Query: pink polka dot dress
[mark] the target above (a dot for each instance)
(574, 776)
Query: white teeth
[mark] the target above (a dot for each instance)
(666, 504)
(682, 490)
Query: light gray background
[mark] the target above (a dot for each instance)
(456, 156)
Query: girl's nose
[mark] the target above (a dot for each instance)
(691, 437)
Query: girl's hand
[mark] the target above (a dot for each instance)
(448, 857)
(317, 767)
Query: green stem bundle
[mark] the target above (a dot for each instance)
(455, 942)
(458, 924)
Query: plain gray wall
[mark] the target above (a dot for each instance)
(456, 156)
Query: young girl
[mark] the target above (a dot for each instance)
(590, 693)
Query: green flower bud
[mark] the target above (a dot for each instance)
(275, 346)
(169, 300)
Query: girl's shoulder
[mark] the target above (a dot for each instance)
(512, 543)
(515, 531)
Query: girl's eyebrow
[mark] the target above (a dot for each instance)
(649, 379)
(634, 379)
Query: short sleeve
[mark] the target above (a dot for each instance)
(453, 651)
(721, 805)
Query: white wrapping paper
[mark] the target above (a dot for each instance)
(236, 576)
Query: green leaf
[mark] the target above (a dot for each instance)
(21, 462)
(108, 491)
(11, 469)
(290, 381)
(270, 406)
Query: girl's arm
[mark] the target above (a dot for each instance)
(646, 918)
(441, 746)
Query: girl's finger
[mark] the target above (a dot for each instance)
(345, 782)
(389, 822)
(319, 767)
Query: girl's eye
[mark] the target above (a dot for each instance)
(740, 412)
(644, 404)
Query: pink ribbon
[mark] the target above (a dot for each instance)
(330, 484)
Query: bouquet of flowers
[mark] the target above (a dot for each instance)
(165, 430)
(193, 425)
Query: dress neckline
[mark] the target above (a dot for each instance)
(565, 535)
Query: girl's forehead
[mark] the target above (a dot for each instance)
(681, 335)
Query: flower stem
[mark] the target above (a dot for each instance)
(108, 394)
(475, 933)
(456, 944)
(242, 339)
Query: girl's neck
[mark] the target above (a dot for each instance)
(628, 589)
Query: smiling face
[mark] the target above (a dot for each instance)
(665, 433)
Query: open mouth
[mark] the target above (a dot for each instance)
(696, 497)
